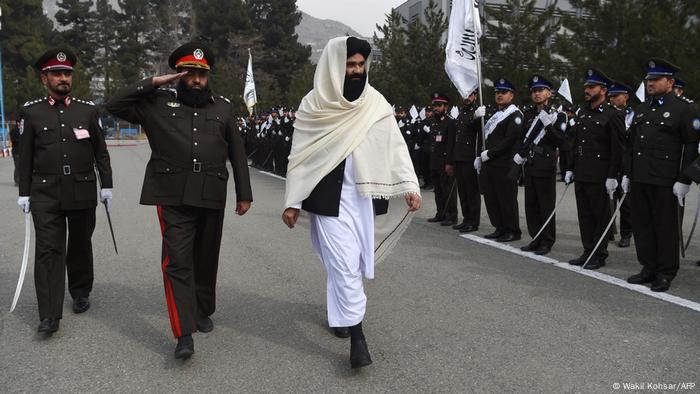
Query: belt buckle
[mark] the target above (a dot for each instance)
(196, 167)
(66, 170)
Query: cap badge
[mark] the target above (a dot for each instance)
(61, 57)
(652, 64)
(535, 79)
(198, 54)
(502, 81)
(590, 73)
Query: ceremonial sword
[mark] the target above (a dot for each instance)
(25, 258)
(561, 199)
(109, 218)
(607, 228)
(695, 222)
(680, 228)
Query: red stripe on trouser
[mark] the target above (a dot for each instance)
(169, 298)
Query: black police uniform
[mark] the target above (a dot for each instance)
(596, 157)
(57, 172)
(626, 207)
(540, 173)
(461, 152)
(444, 185)
(186, 178)
(664, 136)
(500, 190)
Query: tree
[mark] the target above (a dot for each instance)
(519, 41)
(25, 29)
(388, 74)
(76, 22)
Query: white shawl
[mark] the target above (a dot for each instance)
(328, 128)
(497, 118)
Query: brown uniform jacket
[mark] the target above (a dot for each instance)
(189, 147)
(60, 146)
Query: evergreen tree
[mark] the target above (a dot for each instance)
(25, 30)
(76, 23)
(519, 40)
(389, 74)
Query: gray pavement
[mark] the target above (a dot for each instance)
(445, 314)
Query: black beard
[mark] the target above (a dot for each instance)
(193, 97)
(354, 86)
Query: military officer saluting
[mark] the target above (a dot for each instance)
(597, 157)
(537, 153)
(191, 133)
(61, 143)
(664, 139)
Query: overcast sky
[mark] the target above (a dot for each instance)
(361, 15)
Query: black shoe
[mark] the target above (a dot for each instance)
(640, 278)
(48, 325)
(594, 263)
(81, 304)
(624, 242)
(508, 237)
(660, 284)
(495, 234)
(542, 250)
(185, 347)
(530, 247)
(448, 222)
(204, 324)
(459, 226)
(468, 229)
(359, 354)
(341, 332)
(435, 219)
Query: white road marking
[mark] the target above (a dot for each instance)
(590, 273)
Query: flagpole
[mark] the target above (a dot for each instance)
(478, 74)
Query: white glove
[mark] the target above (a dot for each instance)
(426, 129)
(23, 202)
(106, 198)
(480, 112)
(545, 118)
(625, 184)
(680, 190)
(519, 160)
(477, 165)
(568, 177)
(485, 156)
(611, 185)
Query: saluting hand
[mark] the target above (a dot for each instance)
(167, 78)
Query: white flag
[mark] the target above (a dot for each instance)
(413, 111)
(641, 92)
(565, 91)
(462, 50)
(249, 95)
(422, 114)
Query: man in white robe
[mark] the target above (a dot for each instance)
(348, 158)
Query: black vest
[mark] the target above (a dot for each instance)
(325, 198)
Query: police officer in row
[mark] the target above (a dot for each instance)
(618, 96)
(501, 132)
(544, 132)
(597, 152)
(445, 194)
(192, 133)
(61, 144)
(664, 142)
(461, 153)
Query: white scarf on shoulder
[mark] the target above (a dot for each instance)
(328, 128)
(497, 118)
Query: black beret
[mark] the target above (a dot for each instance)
(356, 45)
(56, 59)
(192, 55)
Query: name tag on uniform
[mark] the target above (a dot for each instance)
(81, 134)
(438, 138)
